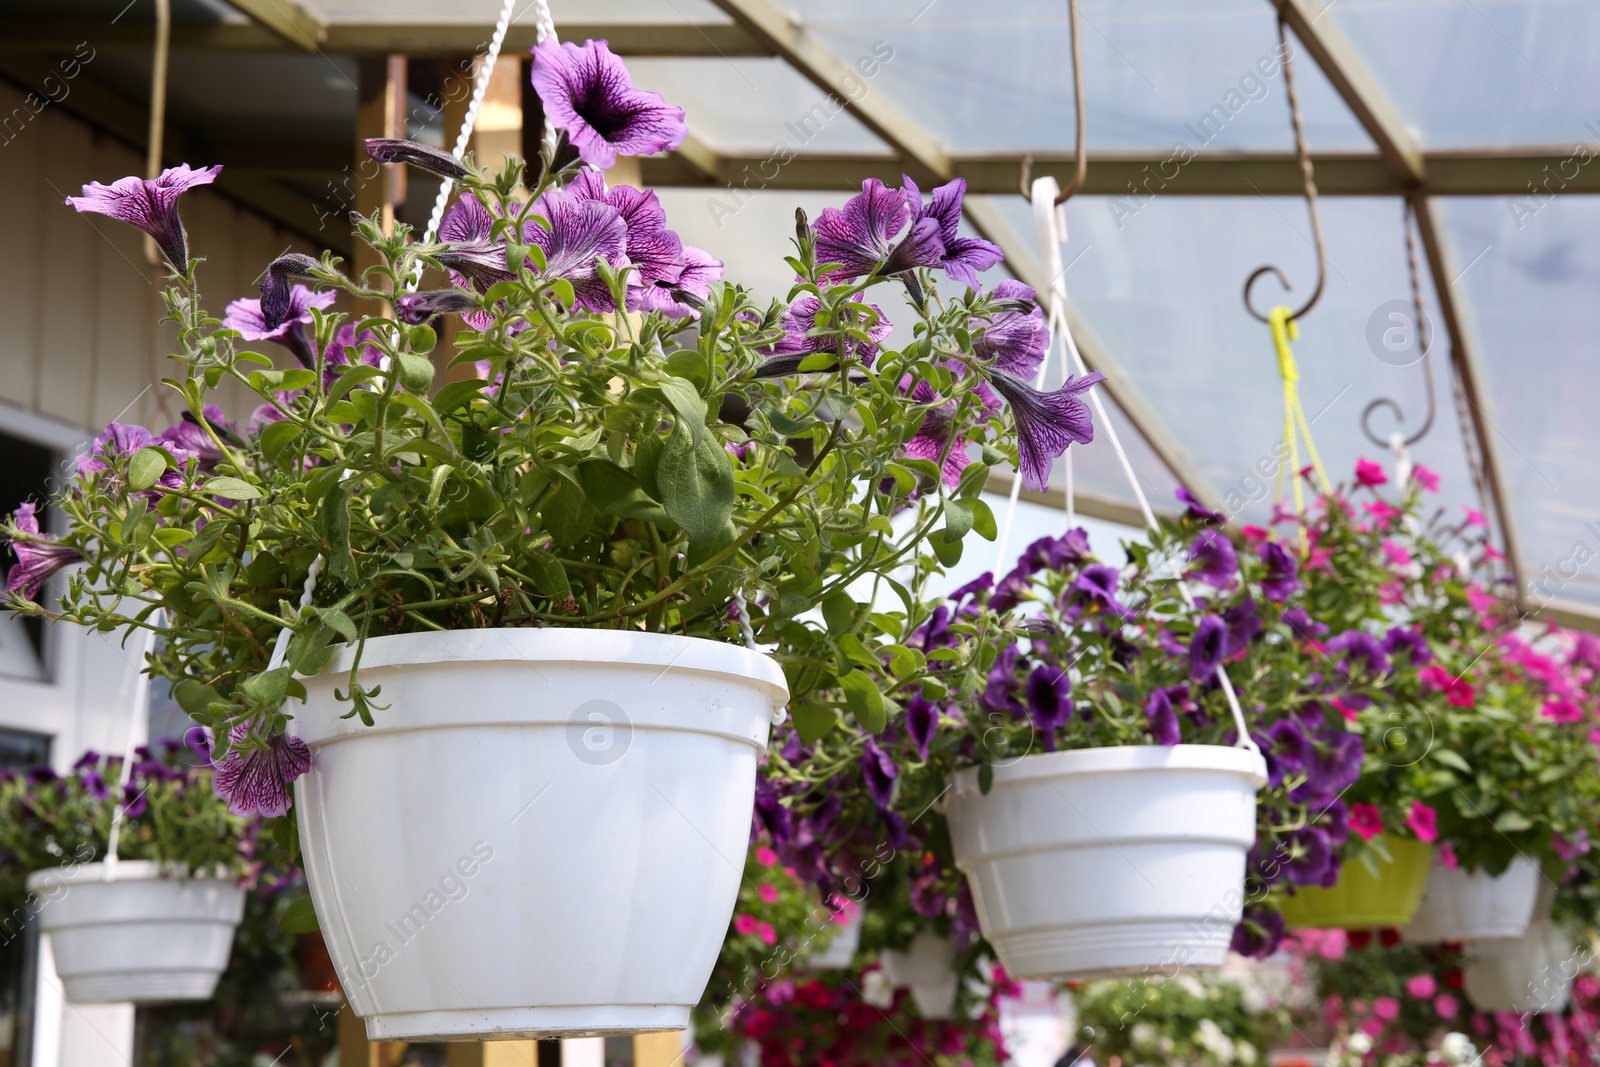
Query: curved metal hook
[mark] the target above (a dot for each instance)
(1425, 339)
(1310, 186)
(1080, 151)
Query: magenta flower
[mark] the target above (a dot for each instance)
(1425, 478)
(744, 924)
(246, 316)
(588, 94)
(151, 205)
(1421, 986)
(1424, 821)
(1369, 473)
(38, 557)
(655, 251)
(861, 237)
(1047, 423)
(1386, 1008)
(256, 781)
(962, 257)
(1562, 711)
(1366, 820)
(581, 233)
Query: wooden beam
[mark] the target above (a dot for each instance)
(676, 39)
(768, 23)
(1566, 613)
(287, 19)
(1333, 52)
(380, 112)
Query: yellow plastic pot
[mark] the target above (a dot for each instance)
(1360, 900)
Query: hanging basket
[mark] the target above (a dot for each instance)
(1458, 906)
(543, 834)
(1531, 973)
(846, 939)
(141, 937)
(1109, 861)
(1361, 900)
(927, 968)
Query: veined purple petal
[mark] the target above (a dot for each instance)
(1046, 422)
(680, 299)
(1213, 560)
(37, 560)
(149, 204)
(879, 772)
(586, 92)
(117, 439)
(256, 782)
(859, 236)
(961, 257)
(581, 232)
(920, 247)
(1014, 341)
(1282, 575)
(276, 297)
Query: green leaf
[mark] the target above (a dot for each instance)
(1450, 758)
(277, 436)
(299, 918)
(232, 488)
(957, 520)
(416, 372)
(549, 577)
(350, 379)
(646, 460)
(206, 540)
(563, 292)
(818, 361)
(145, 467)
(948, 552)
(269, 687)
(421, 406)
(973, 479)
(697, 486)
(195, 697)
(336, 528)
(813, 723)
(982, 518)
(614, 490)
(787, 426)
(855, 651)
(338, 622)
(685, 402)
(457, 394)
(1510, 822)
(567, 513)
(866, 703)
(839, 611)
(985, 778)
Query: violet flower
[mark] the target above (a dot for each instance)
(1197, 512)
(797, 343)
(1013, 341)
(936, 440)
(1207, 648)
(1095, 589)
(1162, 719)
(1000, 687)
(962, 257)
(187, 436)
(657, 254)
(1047, 423)
(256, 782)
(1303, 625)
(878, 771)
(247, 317)
(588, 94)
(581, 232)
(38, 557)
(149, 204)
(470, 251)
(1313, 855)
(1243, 625)
(1360, 646)
(1212, 559)
(1259, 932)
(861, 236)
(430, 159)
(921, 722)
(1408, 642)
(1049, 701)
(277, 290)
(684, 296)
(1282, 576)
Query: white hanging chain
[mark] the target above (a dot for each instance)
(1050, 222)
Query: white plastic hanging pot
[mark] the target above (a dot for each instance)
(1109, 861)
(1458, 906)
(842, 949)
(142, 937)
(1531, 973)
(927, 968)
(544, 833)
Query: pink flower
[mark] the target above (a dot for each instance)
(847, 909)
(1491, 552)
(1366, 820)
(1386, 1008)
(744, 924)
(1372, 1027)
(766, 857)
(768, 894)
(1382, 512)
(1254, 533)
(1397, 554)
(1369, 473)
(1562, 711)
(767, 933)
(1344, 709)
(1475, 518)
(1446, 1006)
(1424, 822)
(1460, 694)
(1422, 986)
(1447, 856)
(1426, 478)
(1390, 593)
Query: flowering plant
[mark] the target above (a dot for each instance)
(169, 814)
(1187, 1021)
(646, 445)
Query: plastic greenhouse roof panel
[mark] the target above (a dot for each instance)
(987, 77)
(1487, 72)
(487, 11)
(1530, 282)
(1161, 289)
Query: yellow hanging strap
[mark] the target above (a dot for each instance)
(1284, 330)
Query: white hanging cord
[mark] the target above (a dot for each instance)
(1051, 225)
(138, 724)
(1402, 458)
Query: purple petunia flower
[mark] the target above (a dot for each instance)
(657, 254)
(861, 236)
(588, 94)
(1197, 512)
(188, 437)
(149, 204)
(1207, 647)
(1282, 576)
(797, 343)
(247, 317)
(1047, 423)
(682, 297)
(1304, 626)
(934, 440)
(772, 812)
(1360, 646)
(1162, 719)
(1243, 625)
(1095, 587)
(256, 782)
(1000, 688)
(1313, 856)
(921, 721)
(38, 557)
(581, 232)
(1013, 341)
(117, 439)
(277, 293)
(1049, 701)
(1259, 932)
(471, 252)
(1333, 767)
(1212, 559)
(961, 257)
(1290, 744)
(1402, 641)
(879, 772)
(977, 587)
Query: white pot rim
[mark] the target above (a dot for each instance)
(127, 871)
(1116, 759)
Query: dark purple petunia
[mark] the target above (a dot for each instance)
(1069, 550)
(1212, 559)
(975, 588)
(149, 204)
(879, 772)
(1259, 932)
(1408, 643)
(927, 898)
(1013, 340)
(1049, 701)
(1243, 625)
(1281, 576)
(1291, 745)
(135, 800)
(256, 782)
(588, 94)
(1047, 423)
(921, 721)
(1162, 719)
(1000, 688)
(581, 232)
(861, 236)
(1312, 855)
(1095, 588)
(1207, 647)
(277, 288)
(38, 557)
(430, 159)
(935, 633)
(1333, 767)
(292, 332)
(1010, 592)
(798, 343)
(1304, 626)
(1358, 646)
(1334, 818)
(962, 257)
(417, 308)
(1197, 512)
(773, 813)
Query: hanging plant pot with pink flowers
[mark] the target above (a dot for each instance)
(517, 640)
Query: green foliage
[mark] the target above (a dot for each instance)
(1188, 1021)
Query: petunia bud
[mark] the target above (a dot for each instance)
(802, 225)
(416, 372)
(432, 160)
(275, 289)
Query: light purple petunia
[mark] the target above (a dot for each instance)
(37, 560)
(962, 257)
(1046, 422)
(588, 94)
(117, 439)
(1162, 719)
(187, 436)
(933, 442)
(655, 251)
(417, 308)
(256, 781)
(247, 317)
(581, 233)
(682, 298)
(862, 236)
(149, 204)
(471, 254)
(1013, 340)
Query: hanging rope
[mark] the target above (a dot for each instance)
(1080, 149)
(1284, 330)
